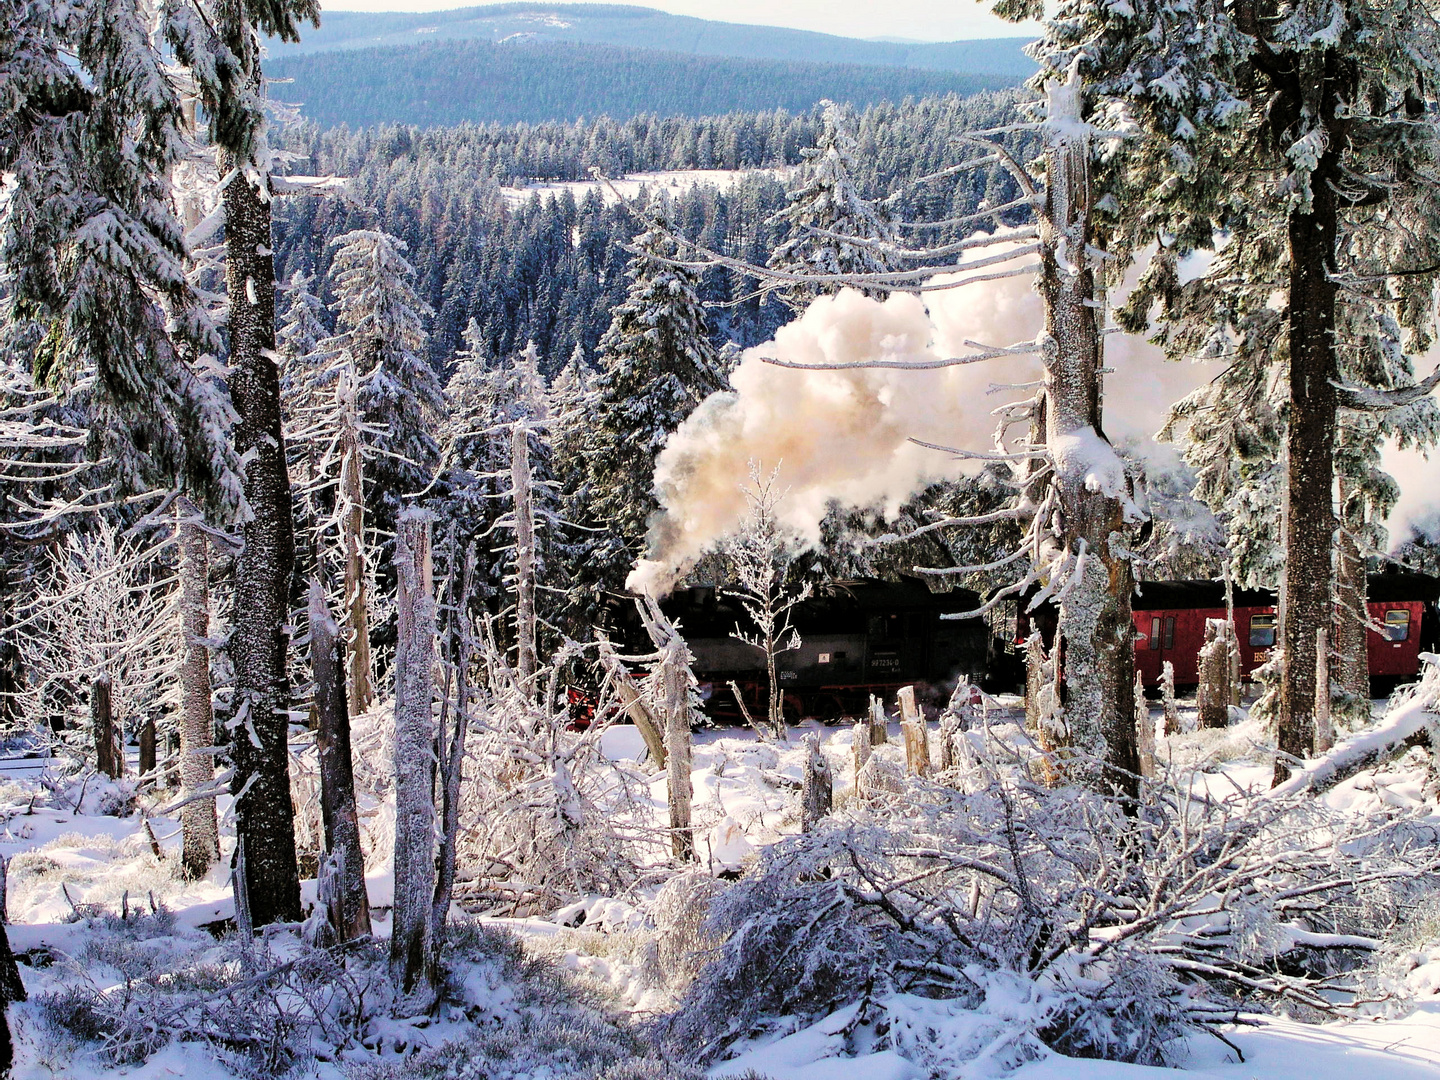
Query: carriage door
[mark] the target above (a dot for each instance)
(1162, 638)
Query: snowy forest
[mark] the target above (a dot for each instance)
(940, 589)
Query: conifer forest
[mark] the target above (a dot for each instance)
(940, 582)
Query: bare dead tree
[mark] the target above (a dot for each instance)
(411, 954)
(351, 903)
(760, 556)
(200, 837)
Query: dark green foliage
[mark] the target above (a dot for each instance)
(452, 82)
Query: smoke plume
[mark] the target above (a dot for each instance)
(845, 435)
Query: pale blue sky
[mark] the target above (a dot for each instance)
(922, 20)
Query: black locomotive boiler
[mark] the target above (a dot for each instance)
(858, 638)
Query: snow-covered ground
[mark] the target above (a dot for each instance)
(628, 187)
(69, 863)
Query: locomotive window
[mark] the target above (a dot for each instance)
(1262, 631)
(879, 627)
(1155, 633)
(1397, 624)
(824, 658)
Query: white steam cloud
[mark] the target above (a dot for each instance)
(845, 434)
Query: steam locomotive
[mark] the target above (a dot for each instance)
(864, 637)
(857, 638)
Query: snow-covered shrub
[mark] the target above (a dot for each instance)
(1121, 925)
(101, 609)
(683, 946)
(528, 1018)
(554, 817)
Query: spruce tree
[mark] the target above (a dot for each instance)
(656, 364)
(91, 128)
(832, 228)
(219, 42)
(1330, 106)
(380, 337)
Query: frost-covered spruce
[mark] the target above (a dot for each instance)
(93, 256)
(830, 225)
(380, 336)
(1336, 190)
(656, 364)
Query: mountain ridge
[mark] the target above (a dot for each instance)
(629, 26)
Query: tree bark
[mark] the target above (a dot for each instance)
(200, 837)
(524, 558)
(1305, 589)
(411, 957)
(360, 692)
(816, 788)
(109, 754)
(1352, 660)
(264, 815)
(1097, 636)
(351, 918)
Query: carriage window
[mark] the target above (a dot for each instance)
(1169, 632)
(1262, 631)
(1154, 633)
(1397, 624)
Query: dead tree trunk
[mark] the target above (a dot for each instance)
(1167, 696)
(1096, 641)
(674, 678)
(1144, 730)
(1324, 729)
(411, 956)
(676, 675)
(454, 723)
(259, 641)
(1034, 681)
(1212, 696)
(146, 764)
(1352, 661)
(109, 754)
(524, 558)
(651, 729)
(879, 722)
(861, 747)
(917, 738)
(351, 915)
(816, 788)
(360, 692)
(200, 836)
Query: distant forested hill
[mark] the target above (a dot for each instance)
(451, 82)
(550, 268)
(646, 28)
